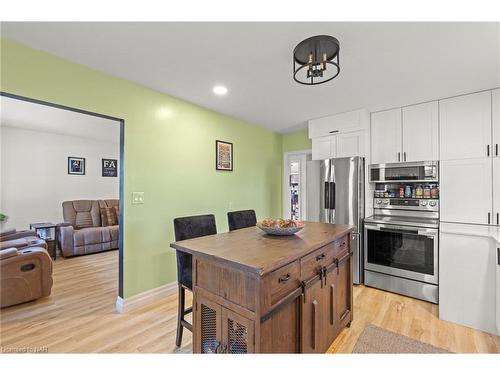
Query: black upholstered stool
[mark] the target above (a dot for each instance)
(186, 228)
(241, 219)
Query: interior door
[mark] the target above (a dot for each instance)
(421, 132)
(386, 136)
(208, 338)
(465, 126)
(466, 195)
(237, 333)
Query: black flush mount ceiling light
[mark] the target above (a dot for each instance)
(316, 60)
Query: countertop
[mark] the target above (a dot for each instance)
(490, 231)
(252, 250)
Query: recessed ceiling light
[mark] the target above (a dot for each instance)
(220, 90)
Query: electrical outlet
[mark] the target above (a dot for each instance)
(138, 197)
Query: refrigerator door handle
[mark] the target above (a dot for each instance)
(332, 195)
(327, 195)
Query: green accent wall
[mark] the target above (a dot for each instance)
(169, 154)
(296, 141)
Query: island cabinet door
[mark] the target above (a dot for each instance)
(343, 292)
(330, 296)
(208, 327)
(237, 333)
(313, 320)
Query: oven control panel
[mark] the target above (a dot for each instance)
(407, 204)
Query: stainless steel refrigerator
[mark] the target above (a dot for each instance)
(335, 194)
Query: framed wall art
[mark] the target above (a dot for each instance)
(109, 167)
(223, 156)
(76, 165)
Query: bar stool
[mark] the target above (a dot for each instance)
(241, 219)
(186, 228)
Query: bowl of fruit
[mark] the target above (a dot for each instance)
(280, 227)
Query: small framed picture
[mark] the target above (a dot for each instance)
(109, 168)
(76, 165)
(224, 156)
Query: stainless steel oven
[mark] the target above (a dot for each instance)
(401, 239)
(405, 251)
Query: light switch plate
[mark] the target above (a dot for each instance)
(138, 197)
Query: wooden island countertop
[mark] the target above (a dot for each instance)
(257, 293)
(251, 250)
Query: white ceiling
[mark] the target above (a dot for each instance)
(382, 64)
(26, 115)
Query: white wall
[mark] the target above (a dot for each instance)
(35, 179)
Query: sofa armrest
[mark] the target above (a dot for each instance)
(14, 235)
(8, 253)
(66, 239)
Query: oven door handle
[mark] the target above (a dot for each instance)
(400, 229)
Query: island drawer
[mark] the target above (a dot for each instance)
(311, 264)
(341, 247)
(283, 281)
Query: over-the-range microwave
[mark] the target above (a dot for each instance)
(420, 171)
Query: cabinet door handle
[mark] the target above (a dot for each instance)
(498, 255)
(399, 156)
(334, 131)
(488, 150)
(404, 156)
(314, 323)
(332, 304)
(498, 218)
(489, 217)
(496, 149)
(284, 278)
(321, 256)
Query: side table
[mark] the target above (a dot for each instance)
(48, 233)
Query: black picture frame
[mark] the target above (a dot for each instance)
(220, 163)
(76, 165)
(109, 167)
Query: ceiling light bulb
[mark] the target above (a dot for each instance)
(220, 90)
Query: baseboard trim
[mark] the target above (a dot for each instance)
(127, 304)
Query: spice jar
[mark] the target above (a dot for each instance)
(427, 191)
(419, 192)
(435, 191)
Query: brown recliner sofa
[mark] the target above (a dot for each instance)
(20, 239)
(82, 231)
(26, 275)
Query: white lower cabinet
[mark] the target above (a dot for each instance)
(467, 278)
(466, 195)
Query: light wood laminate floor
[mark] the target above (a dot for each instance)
(80, 317)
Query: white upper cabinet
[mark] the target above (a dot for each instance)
(350, 144)
(386, 136)
(496, 191)
(322, 147)
(339, 123)
(465, 190)
(465, 126)
(421, 132)
(496, 122)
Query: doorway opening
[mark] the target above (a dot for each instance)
(295, 184)
(63, 182)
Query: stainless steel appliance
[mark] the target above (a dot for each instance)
(401, 239)
(335, 190)
(422, 171)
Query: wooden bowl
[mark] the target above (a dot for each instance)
(277, 231)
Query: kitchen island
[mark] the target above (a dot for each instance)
(256, 293)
